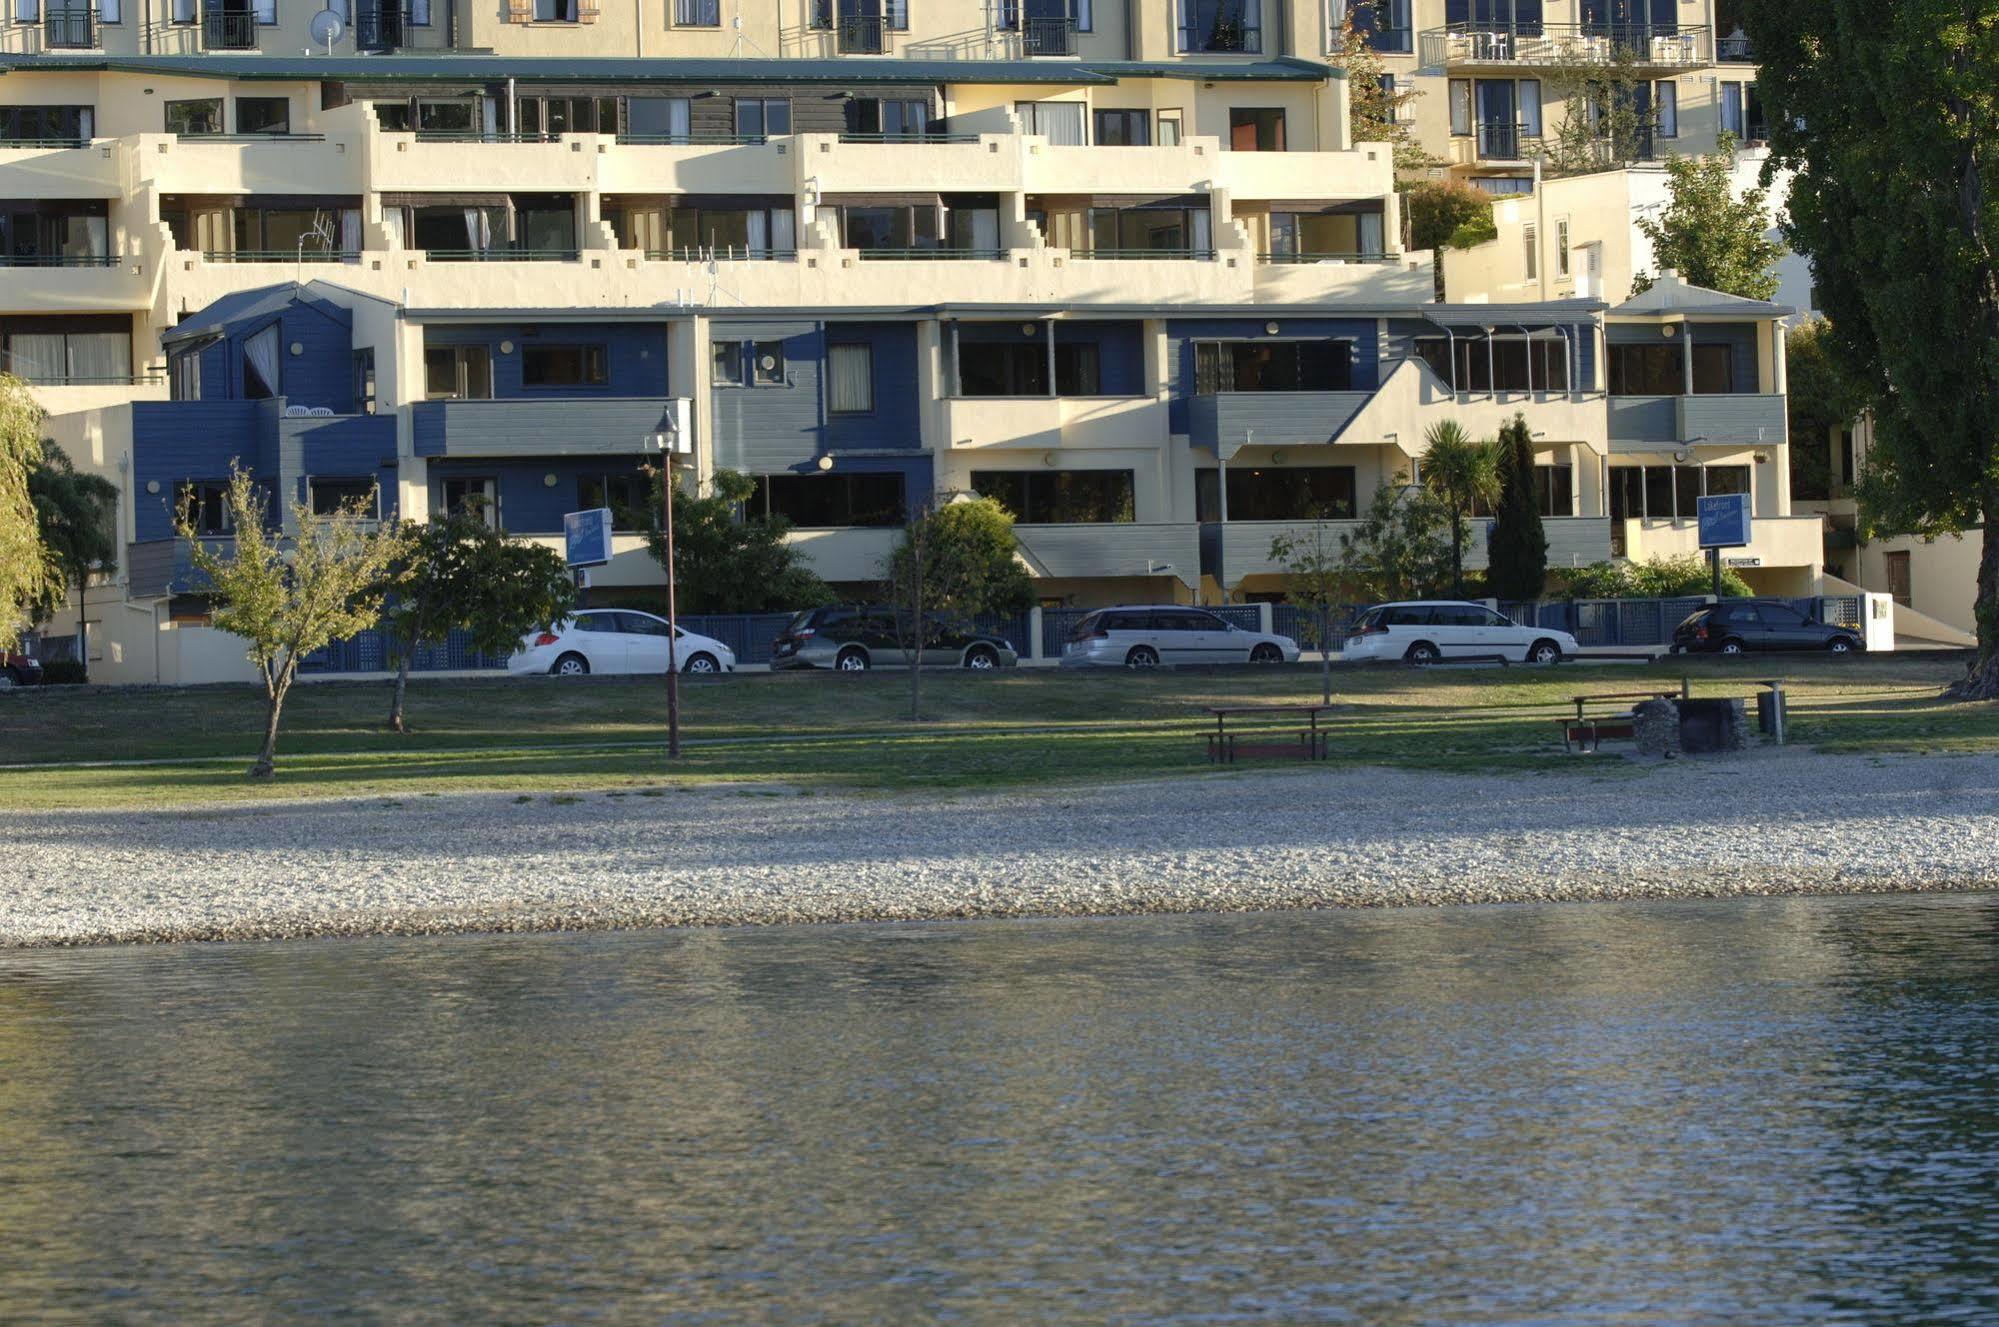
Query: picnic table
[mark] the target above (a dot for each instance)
(1590, 729)
(1224, 746)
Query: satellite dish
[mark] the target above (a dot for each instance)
(327, 27)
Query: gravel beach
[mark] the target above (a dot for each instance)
(1770, 822)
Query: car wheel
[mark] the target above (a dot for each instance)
(570, 665)
(981, 658)
(1266, 653)
(1422, 652)
(852, 661)
(1731, 647)
(1544, 652)
(7, 679)
(1840, 645)
(1142, 656)
(702, 663)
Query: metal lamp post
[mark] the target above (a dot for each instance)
(676, 443)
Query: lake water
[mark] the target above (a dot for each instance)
(1736, 1113)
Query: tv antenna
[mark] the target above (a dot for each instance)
(322, 230)
(327, 25)
(742, 39)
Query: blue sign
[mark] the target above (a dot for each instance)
(588, 537)
(1725, 520)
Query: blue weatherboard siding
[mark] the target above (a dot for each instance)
(346, 447)
(635, 355)
(322, 374)
(528, 505)
(766, 430)
(1120, 347)
(1182, 333)
(177, 441)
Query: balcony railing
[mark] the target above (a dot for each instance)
(914, 255)
(481, 136)
(1734, 49)
(918, 137)
(694, 140)
(280, 256)
(1048, 36)
(860, 36)
(499, 254)
(58, 260)
(229, 31)
(726, 253)
(1296, 257)
(69, 30)
(1654, 45)
(1501, 142)
(1120, 255)
(1225, 37)
(44, 142)
(377, 30)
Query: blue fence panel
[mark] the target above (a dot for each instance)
(1013, 630)
(1056, 624)
(1248, 617)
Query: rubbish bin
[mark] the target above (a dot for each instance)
(1770, 712)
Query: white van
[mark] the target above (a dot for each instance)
(1427, 630)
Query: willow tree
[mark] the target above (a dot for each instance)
(27, 574)
(1887, 113)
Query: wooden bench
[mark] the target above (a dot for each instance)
(1588, 730)
(1226, 747)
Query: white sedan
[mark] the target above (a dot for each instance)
(1426, 631)
(621, 640)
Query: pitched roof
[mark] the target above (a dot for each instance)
(539, 69)
(1672, 295)
(234, 312)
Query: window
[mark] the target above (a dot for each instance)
(1061, 497)
(445, 117)
(1060, 122)
(697, 13)
(263, 373)
(666, 118)
(109, 11)
(563, 366)
(1528, 91)
(193, 119)
(1122, 128)
(1507, 364)
(889, 118)
(1221, 25)
(767, 363)
(762, 117)
(1666, 98)
(1272, 366)
(627, 493)
(1270, 493)
(1561, 246)
(555, 11)
(1256, 128)
(263, 115)
(1714, 370)
(1554, 492)
(1727, 479)
(850, 379)
(1008, 368)
(829, 501)
(462, 496)
(458, 373)
(1668, 492)
(338, 497)
(47, 123)
(1138, 231)
(184, 370)
(1460, 96)
(72, 349)
(1076, 372)
(1655, 370)
(205, 505)
(1731, 108)
(728, 364)
(555, 116)
(1530, 239)
(1169, 129)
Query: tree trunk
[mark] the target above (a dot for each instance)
(1457, 554)
(82, 629)
(266, 765)
(402, 685)
(1325, 655)
(916, 634)
(1982, 682)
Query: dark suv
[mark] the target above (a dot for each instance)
(1738, 626)
(852, 638)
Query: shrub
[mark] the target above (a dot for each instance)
(64, 673)
(1655, 578)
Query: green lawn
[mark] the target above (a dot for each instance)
(541, 736)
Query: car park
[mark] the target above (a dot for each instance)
(620, 640)
(1432, 630)
(1156, 635)
(853, 638)
(18, 670)
(1744, 626)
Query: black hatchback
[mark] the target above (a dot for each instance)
(852, 638)
(1740, 626)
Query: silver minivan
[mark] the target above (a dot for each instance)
(1149, 635)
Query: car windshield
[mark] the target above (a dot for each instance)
(1084, 627)
(1367, 619)
(799, 621)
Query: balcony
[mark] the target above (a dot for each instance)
(1225, 421)
(1047, 36)
(846, 553)
(229, 30)
(69, 30)
(1095, 422)
(1244, 546)
(1750, 419)
(926, 255)
(1539, 45)
(379, 30)
(853, 35)
(1119, 549)
(1502, 142)
(500, 253)
(166, 566)
(1774, 541)
(557, 426)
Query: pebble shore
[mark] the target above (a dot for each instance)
(1772, 822)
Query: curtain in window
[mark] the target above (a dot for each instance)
(214, 230)
(850, 378)
(1530, 107)
(1731, 108)
(265, 10)
(86, 122)
(1371, 245)
(1460, 92)
(897, 14)
(783, 230)
(183, 11)
(1668, 99)
(85, 237)
(1085, 18)
(100, 356)
(1060, 122)
(27, 11)
(392, 221)
(108, 11)
(36, 356)
(260, 363)
(420, 13)
(985, 229)
(1199, 226)
(758, 232)
(350, 230)
(478, 230)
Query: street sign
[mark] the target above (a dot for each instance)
(587, 537)
(1724, 520)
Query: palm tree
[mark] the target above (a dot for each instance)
(1462, 472)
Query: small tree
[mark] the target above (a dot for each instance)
(1317, 576)
(1374, 102)
(1517, 553)
(956, 560)
(1603, 124)
(1447, 214)
(460, 574)
(1463, 473)
(1707, 234)
(27, 571)
(289, 602)
(77, 518)
(1399, 549)
(725, 561)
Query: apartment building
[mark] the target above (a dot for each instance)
(1156, 303)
